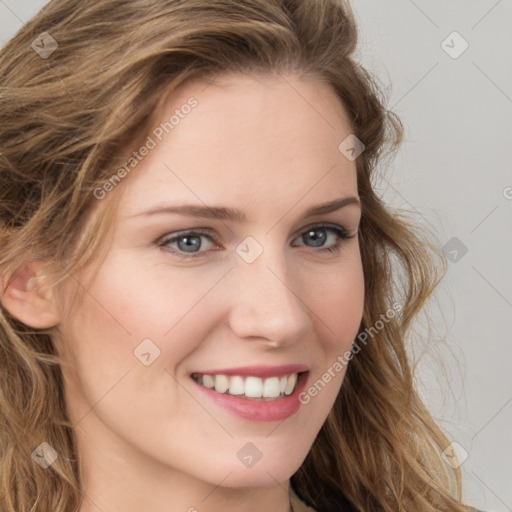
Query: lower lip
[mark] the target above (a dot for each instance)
(253, 410)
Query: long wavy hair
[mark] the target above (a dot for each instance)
(69, 118)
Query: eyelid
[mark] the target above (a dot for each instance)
(184, 232)
(328, 225)
(210, 232)
(341, 233)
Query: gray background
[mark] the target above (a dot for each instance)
(453, 171)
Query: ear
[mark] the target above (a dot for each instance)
(28, 298)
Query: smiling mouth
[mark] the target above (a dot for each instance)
(251, 387)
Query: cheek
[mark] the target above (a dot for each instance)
(338, 308)
(338, 302)
(129, 302)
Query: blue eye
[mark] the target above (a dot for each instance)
(188, 243)
(341, 234)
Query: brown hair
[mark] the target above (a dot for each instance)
(67, 120)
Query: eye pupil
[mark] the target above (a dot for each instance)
(319, 240)
(191, 242)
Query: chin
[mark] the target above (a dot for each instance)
(259, 477)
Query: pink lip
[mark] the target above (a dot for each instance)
(276, 410)
(259, 371)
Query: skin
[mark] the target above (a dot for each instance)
(148, 439)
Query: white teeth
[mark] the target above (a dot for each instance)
(271, 387)
(284, 380)
(290, 385)
(251, 387)
(236, 385)
(221, 383)
(208, 381)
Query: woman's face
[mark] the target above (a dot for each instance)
(243, 301)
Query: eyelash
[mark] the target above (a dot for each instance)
(341, 233)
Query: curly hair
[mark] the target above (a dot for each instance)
(68, 119)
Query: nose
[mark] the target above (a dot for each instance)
(267, 303)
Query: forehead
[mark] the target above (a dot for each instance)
(244, 138)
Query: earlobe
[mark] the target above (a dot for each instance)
(28, 297)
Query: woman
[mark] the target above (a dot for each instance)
(204, 301)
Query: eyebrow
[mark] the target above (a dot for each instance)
(223, 213)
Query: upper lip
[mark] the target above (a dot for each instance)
(261, 371)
